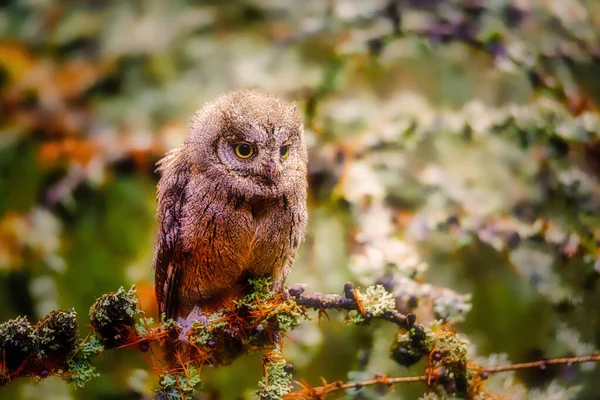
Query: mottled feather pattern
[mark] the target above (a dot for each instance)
(166, 260)
(222, 218)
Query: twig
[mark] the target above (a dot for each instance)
(320, 391)
(543, 363)
(319, 301)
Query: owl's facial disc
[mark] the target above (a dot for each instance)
(258, 161)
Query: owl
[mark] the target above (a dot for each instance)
(231, 202)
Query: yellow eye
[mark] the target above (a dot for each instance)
(284, 151)
(243, 150)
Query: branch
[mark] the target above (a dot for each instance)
(255, 322)
(542, 364)
(319, 392)
(348, 302)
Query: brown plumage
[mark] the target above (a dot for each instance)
(223, 218)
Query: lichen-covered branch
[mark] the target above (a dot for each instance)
(255, 322)
(375, 303)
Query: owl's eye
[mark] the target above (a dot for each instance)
(243, 150)
(284, 151)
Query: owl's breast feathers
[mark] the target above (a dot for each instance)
(210, 241)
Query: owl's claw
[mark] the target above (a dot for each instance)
(196, 315)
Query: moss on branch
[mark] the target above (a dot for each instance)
(255, 322)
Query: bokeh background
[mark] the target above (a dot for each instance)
(454, 157)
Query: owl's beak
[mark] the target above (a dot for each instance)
(269, 171)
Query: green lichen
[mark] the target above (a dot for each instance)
(277, 382)
(287, 320)
(113, 316)
(18, 342)
(179, 386)
(357, 318)
(446, 352)
(201, 332)
(81, 367)
(285, 315)
(450, 345)
(260, 291)
(58, 334)
(375, 301)
(116, 307)
(170, 323)
(142, 325)
(409, 346)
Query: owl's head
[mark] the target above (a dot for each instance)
(251, 143)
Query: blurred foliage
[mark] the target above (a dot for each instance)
(454, 159)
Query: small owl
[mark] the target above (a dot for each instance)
(231, 202)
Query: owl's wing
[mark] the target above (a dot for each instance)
(171, 196)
